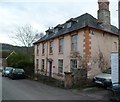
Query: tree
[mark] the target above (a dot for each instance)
(26, 35)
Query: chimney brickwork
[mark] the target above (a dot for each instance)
(104, 14)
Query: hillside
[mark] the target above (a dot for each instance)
(6, 49)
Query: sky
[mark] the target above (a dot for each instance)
(42, 14)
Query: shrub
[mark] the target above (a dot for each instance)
(21, 61)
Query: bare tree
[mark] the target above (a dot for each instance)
(80, 58)
(26, 35)
(103, 61)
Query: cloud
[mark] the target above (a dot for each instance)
(51, 1)
(42, 14)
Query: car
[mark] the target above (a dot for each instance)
(104, 79)
(6, 71)
(1, 68)
(3, 71)
(16, 73)
(114, 93)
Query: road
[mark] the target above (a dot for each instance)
(24, 89)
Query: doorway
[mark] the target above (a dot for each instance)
(50, 68)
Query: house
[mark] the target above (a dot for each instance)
(81, 42)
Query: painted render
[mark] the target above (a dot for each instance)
(89, 43)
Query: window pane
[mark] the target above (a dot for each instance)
(51, 47)
(61, 45)
(73, 64)
(69, 25)
(37, 49)
(43, 48)
(74, 43)
(43, 63)
(37, 63)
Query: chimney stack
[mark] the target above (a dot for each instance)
(104, 14)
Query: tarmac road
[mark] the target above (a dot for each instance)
(24, 89)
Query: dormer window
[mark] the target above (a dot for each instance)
(49, 31)
(71, 21)
(69, 24)
(56, 30)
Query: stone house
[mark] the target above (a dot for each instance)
(91, 39)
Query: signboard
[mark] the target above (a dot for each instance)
(114, 67)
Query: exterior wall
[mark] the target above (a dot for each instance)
(90, 43)
(104, 43)
(56, 55)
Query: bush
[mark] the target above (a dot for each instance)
(28, 66)
(5, 53)
(21, 61)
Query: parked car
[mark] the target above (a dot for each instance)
(16, 73)
(3, 71)
(1, 68)
(6, 71)
(114, 93)
(104, 78)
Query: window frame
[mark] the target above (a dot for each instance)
(61, 45)
(73, 64)
(43, 48)
(60, 66)
(43, 64)
(37, 49)
(51, 47)
(37, 64)
(69, 24)
(74, 42)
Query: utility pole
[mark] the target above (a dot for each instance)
(119, 40)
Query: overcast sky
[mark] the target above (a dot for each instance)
(42, 14)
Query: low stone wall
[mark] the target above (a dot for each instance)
(78, 78)
(50, 81)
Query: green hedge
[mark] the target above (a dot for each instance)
(21, 61)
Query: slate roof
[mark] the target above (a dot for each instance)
(85, 20)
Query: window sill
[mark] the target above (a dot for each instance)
(42, 70)
(43, 54)
(60, 53)
(72, 51)
(60, 74)
(50, 53)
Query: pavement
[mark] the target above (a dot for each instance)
(97, 92)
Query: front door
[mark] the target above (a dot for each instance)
(50, 69)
